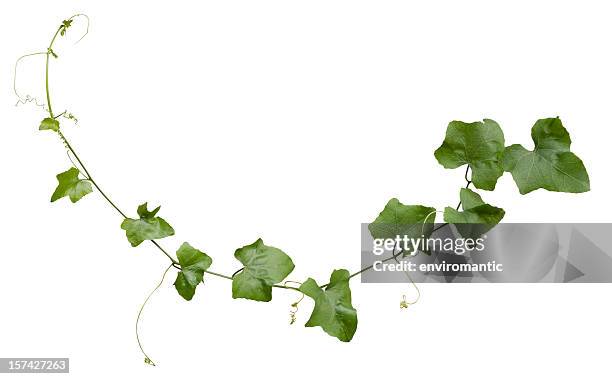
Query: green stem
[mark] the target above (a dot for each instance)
(161, 281)
(162, 249)
(104, 195)
(49, 50)
(370, 267)
(219, 275)
(469, 181)
(87, 174)
(285, 287)
(89, 177)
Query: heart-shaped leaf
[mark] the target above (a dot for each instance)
(479, 145)
(264, 266)
(397, 219)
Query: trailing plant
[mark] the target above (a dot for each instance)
(480, 146)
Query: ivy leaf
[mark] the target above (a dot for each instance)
(193, 264)
(49, 124)
(550, 165)
(479, 145)
(477, 216)
(264, 266)
(71, 185)
(333, 310)
(398, 219)
(148, 227)
(144, 213)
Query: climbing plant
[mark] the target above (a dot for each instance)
(480, 146)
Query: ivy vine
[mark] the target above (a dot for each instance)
(480, 146)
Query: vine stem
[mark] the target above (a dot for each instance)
(468, 183)
(148, 360)
(87, 174)
(49, 52)
(74, 153)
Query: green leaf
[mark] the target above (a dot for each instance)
(477, 216)
(49, 124)
(550, 165)
(264, 266)
(70, 185)
(144, 213)
(398, 219)
(148, 227)
(333, 310)
(479, 145)
(193, 264)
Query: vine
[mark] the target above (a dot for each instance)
(480, 146)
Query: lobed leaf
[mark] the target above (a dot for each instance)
(551, 165)
(147, 227)
(477, 216)
(193, 264)
(70, 185)
(333, 310)
(264, 266)
(397, 219)
(479, 145)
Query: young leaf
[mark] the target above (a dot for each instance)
(550, 165)
(333, 310)
(479, 145)
(148, 227)
(398, 219)
(144, 213)
(193, 264)
(49, 124)
(477, 216)
(264, 266)
(70, 185)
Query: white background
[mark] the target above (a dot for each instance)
(293, 121)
